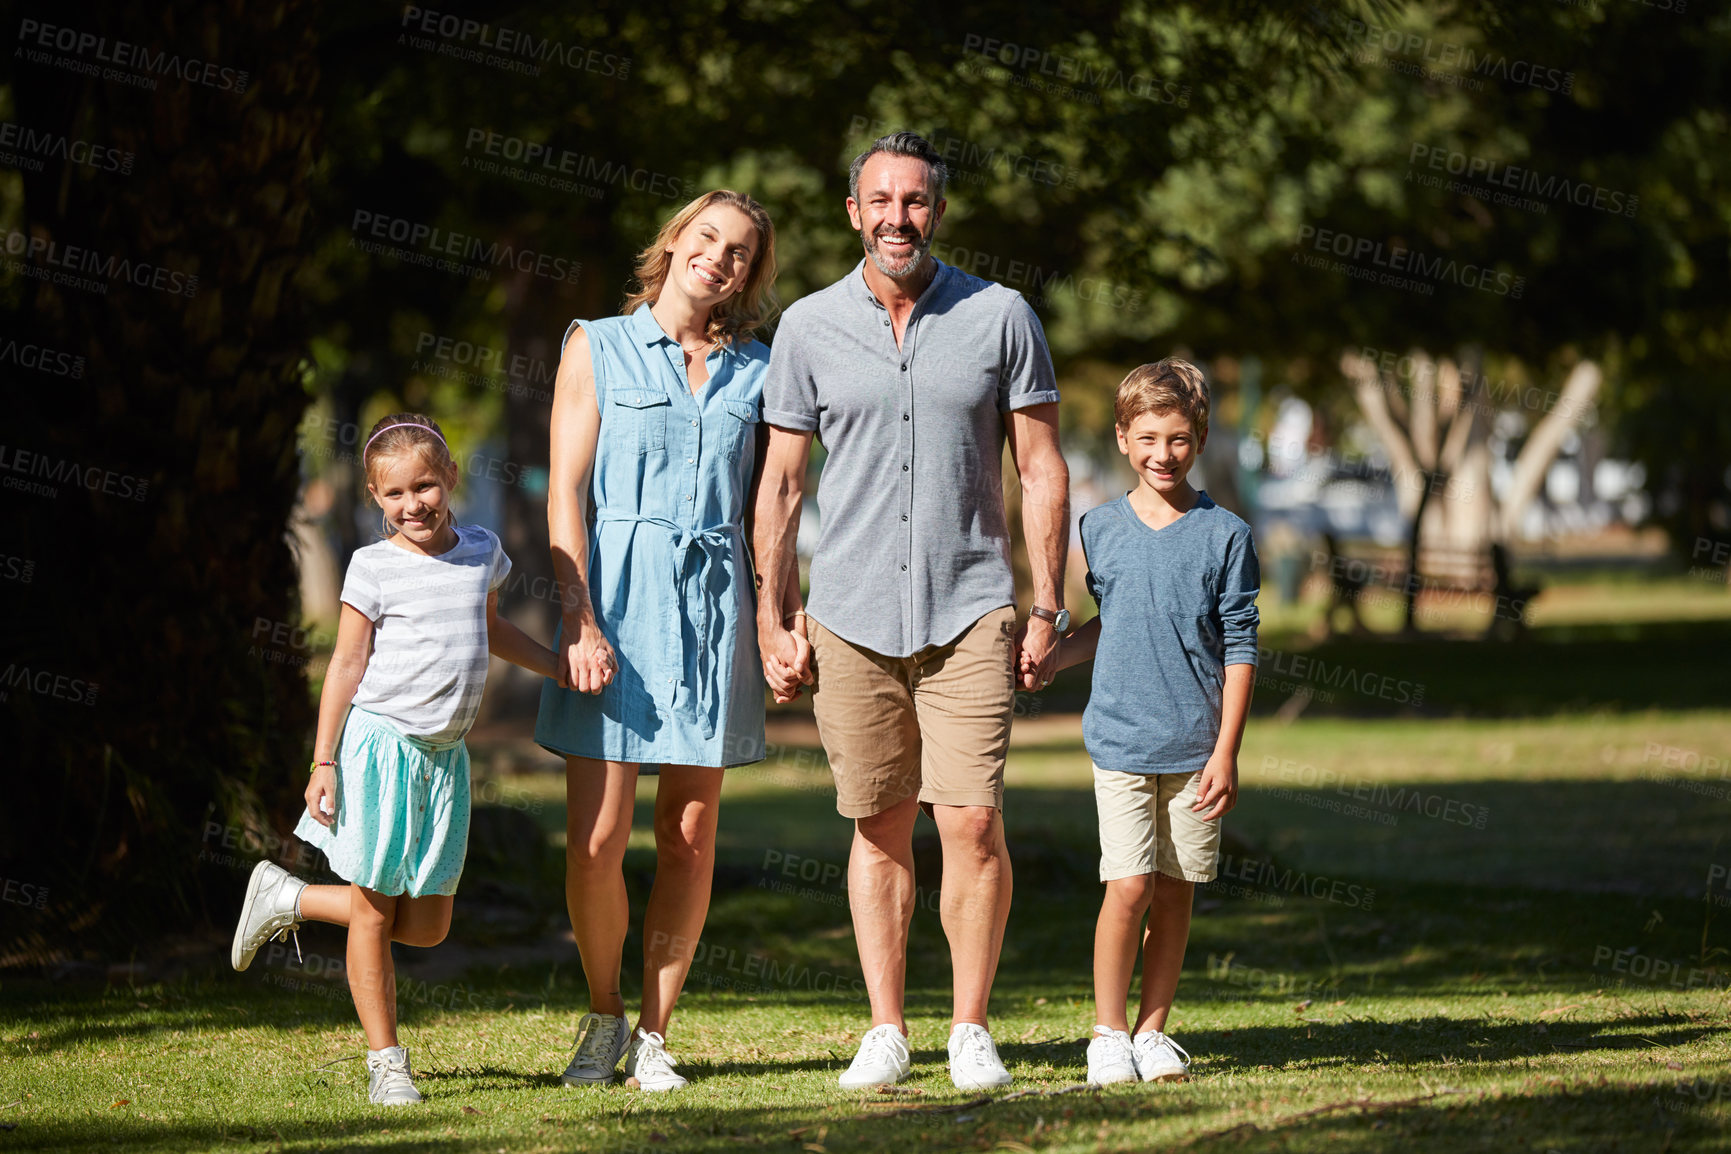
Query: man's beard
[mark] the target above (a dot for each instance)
(916, 255)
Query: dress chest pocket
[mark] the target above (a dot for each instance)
(737, 429)
(639, 417)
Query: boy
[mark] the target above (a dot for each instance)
(1174, 650)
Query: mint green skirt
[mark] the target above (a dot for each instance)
(402, 821)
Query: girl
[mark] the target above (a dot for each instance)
(389, 805)
(655, 422)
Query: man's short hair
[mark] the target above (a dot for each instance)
(1168, 386)
(903, 144)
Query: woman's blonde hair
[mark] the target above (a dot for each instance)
(741, 314)
(408, 433)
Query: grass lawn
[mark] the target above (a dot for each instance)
(1430, 934)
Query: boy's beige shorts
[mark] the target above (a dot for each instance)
(935, 725)
(1147, 826)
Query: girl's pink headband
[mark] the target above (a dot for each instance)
(402, 425)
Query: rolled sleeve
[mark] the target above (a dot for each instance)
(500, 566)
(361, 588)
(1028, 377)
(789, 389)
(1240, 582)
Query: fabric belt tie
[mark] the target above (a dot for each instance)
(705, 542)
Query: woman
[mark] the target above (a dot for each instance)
(654, 421)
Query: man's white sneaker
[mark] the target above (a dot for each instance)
(1111, 1058)
(1160, 1059)
(601, 1042)
(974, 1062)
(648, 1062)
(882, 1060)
(271, 910)
(389, 1079)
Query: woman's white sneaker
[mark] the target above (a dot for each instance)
(974, 1062)
(1160, 1059)
(601, 1042)
(389, 1079)
(648, 1062)
(1111, 1057)
(271, 909)
(882, 1060)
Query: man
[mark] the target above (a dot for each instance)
(913, 373)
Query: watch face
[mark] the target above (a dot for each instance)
(1062, 624)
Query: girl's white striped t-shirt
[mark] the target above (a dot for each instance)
(429, 661)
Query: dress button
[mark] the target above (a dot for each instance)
(694, 424)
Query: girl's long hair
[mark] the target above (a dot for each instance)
(741, 314)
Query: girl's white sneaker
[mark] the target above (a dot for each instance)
(1160, 1059)
(648, 1062)
(271, 910)
(601, 1040)
(1111, 1058)
(389, 1079)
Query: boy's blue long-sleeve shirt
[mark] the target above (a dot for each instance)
(1177, 605)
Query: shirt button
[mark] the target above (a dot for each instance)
(904, 368)
(904, 468)
(904, 568)
(904, 516)
(905, 417)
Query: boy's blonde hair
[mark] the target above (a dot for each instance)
(1168, 386)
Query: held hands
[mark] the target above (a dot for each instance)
(586, 661)
(322, 795)
(1036, 654)
(786, 659)
(1218, 787)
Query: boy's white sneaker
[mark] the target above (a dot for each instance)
(1111, 1057)
(882, 1060)
(601, 1042)
(389, 1079)
(271, 909)
(1160, 1059)
(974, 1062)
(649, 1063)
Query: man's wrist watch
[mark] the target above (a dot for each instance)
(1060, 618)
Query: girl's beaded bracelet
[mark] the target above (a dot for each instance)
(316, 765)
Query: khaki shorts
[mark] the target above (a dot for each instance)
(1147, 826)
(935, 725)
